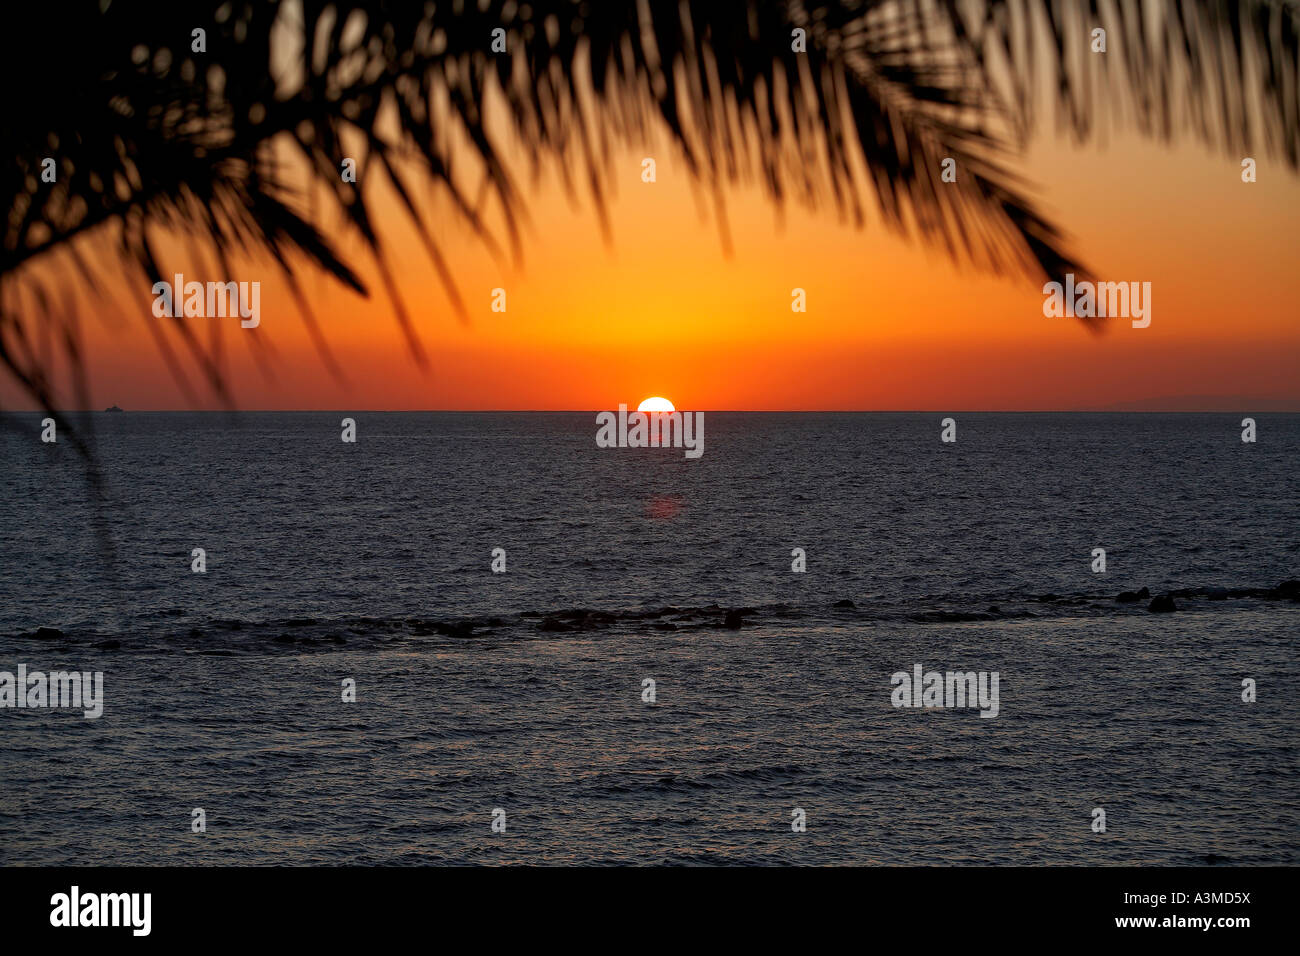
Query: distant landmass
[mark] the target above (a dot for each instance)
(113, 408)
(1203, 403)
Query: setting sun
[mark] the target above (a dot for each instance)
(656, 404)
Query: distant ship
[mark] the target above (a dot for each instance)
(115, 408)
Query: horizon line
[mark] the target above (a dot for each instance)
(1244, 408)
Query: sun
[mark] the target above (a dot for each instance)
(656, 404)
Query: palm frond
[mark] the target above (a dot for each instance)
(150, 137)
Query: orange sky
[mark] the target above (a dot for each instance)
(890, 324)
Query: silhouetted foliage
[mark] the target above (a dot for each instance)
(149, 135)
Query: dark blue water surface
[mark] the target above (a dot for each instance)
(522, 691)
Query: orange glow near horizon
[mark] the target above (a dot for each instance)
(661, 308)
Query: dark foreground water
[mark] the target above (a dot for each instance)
(523, 691)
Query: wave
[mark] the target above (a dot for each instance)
(226, 637)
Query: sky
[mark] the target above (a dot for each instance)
(663, 308)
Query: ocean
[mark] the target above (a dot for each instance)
(521, 697)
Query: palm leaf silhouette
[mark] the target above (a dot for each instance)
(149, 135)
